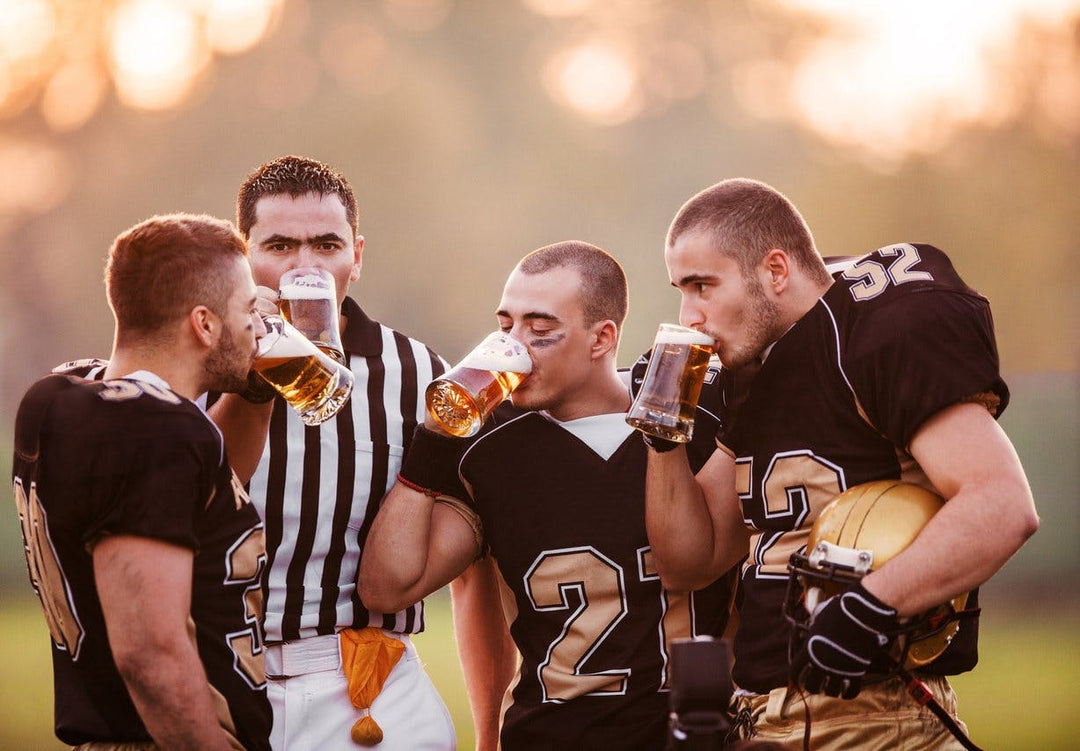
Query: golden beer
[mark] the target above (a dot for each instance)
(313, 384)
(462, 399)
(307, 299)
(666, 404)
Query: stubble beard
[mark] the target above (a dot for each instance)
(763, 327)
(227, 366)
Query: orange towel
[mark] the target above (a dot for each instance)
(367, 656)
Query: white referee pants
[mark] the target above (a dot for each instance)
(312, 710)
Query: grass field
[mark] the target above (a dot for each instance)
(1025, 694)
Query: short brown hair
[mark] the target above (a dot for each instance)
(604, 294)
(161, 268)
(294, 176)
(746, 219)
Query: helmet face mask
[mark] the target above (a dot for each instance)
(858, 532)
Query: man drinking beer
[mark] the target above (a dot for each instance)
(550, 506)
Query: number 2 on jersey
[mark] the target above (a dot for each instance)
(872, 278)
(597, 587)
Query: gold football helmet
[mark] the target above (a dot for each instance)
(858, 532)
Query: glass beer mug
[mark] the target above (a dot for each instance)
(461, 399)
(313, 383)
(307, 297)
(666, 404)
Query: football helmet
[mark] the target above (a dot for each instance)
(858, 532)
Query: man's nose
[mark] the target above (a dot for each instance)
(690, 313)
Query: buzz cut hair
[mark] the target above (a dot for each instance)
(294, 176)
(162, 267)
(745, 219)
(604, 295)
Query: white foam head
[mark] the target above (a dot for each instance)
(669, 334)
(293, 344)
(306, 288)
(499, 352)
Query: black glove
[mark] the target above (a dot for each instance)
(637, 377)
(259, 390)
(845, 635)
(431, 464)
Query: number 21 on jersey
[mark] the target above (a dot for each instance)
(593, 588)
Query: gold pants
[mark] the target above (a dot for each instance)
(882, 717)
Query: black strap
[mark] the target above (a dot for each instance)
(921, 694)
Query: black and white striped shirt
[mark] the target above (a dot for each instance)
(318, 488)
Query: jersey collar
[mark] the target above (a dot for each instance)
(362, 336)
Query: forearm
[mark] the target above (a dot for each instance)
(415, 547)
(988, 516)
(682, 530)
(396, 551)
(169, 689)
(244, 426)
(145, 590)
(967, 542)
(489, 659)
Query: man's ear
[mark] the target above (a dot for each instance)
(358, 258)
(776, 271)
(204, 324)
(605, 338)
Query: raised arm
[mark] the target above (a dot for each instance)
(145, 590)
(416, 546)
(989, 512)
(489, 659)
(244, 426)
(694, 524)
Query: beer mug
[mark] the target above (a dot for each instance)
(313, 383)
(667, 401)
(307, 298)
(461, 399)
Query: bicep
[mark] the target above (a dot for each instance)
(455, 543)
(963, 446)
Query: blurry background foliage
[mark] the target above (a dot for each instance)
(474, 132)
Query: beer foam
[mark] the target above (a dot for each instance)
(297, 289)
(499, 352)
(686, 336)
(273, 345)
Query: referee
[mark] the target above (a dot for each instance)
(318, 488)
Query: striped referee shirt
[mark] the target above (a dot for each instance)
(318, 488)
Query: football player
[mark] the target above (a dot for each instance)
(141, 543)
(550, 499)
(890, 372)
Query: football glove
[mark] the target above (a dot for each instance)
(845, 635)
(431, 464)
(259, 390)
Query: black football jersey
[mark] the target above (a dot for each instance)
(897, 338)
(566, 529)
(95, 458)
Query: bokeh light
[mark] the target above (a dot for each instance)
(899, 78)
(155, 52)
(597, 80)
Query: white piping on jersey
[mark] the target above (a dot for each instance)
(602, 433)
(836, 341)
